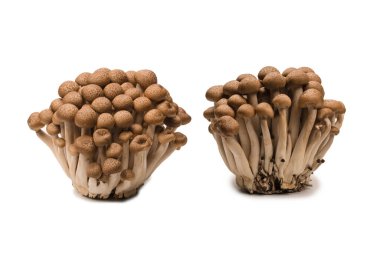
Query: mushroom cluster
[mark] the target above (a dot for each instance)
(110, 130)
(273, 130)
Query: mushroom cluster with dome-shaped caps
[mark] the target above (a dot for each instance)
(273, 130)
(111, 129)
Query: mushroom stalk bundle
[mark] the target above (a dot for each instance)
(273, 130)
(110, 130)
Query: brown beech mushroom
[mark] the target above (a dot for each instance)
(99, 77)
(67, 87)
(91, 92)
(145, 78)
(117, 76)
(156, 92)
(214, 93)
(112, 90)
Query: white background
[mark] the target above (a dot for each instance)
(190, 204)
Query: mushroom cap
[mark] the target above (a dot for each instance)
(168, 109)
(55, 104)
(123, 119)
(287, 71)
(145, 78)
(223, 110)
(209, 113)
(73, 97)
(85, 145)
(101, 104)
(154, 117)
(334, 130)
(182, 114)
(73, 150)
(315, 85)
(136, 128)
(133, 93)
(222, 101)
(112, 90)
(180, 140)
(166, 137)
(60, 142)
(140, 143)
(53, 129)
(314, 77)
(156, 92)
(105, 120)
(142, 104)
(266, 70)
(55, 119)
(117, 76)
(264, 110)
(94, 170)
(235, 101)
(125, 136)
(111, 166)
(122, 102)
(249, 85)
(127, 175)
(127, 85)
(306, 69)
(67, 112)
(274, 81)
(131, 76)
(337, 106)
(311, 98)
(246, 111)
(91, 92)
(325, 113)
(99, 77)
(282, 101)
(230, 88)
(66, 87)
(34, 121)
(102, 137)
(46, 116)
(242, 76)
(86, 117)
(173, 121)
(296, 79)
(226, 125)
(115, 150)
(214, 93)
(82, 79)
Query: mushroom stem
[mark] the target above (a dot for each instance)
(295, 114)
(254, 155)
(339, 121)
(287, 155)
(81, 174)
(125, 157)
(221, 149)
(241, 161)
(152, 160)
(322, 151)
(252, 99)
(69, 139)
(268, 147)
(139, 167)
(324, 134)
(230, 158)
(282, 136)
(243, 136)
(113, 180)
(45, 139)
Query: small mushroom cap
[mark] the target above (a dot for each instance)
(101, 105)
(115, 150)
(315, 85)
(337, 106)
(249, 85)
(112, 90)
(60, 142)
(66, 87)
(173, 121)
(314, 77)
(105, 120)
(287, 71)
(182, 114)
(209, 113)
(86, 117)
(102, 137)
(334, 130)
(226, 125)
(67, 112)
(222, 101)
(231, 88)
(325, 113)
(142, 104)
(282, 101)
(235, 101)
(306, 69)
(46, 116)
(166, 137)
(296, 78)
(82, 79)
(180, 140)
(131, 76)
(168, 109)
(154, 117)
(125, 136)
(55, 119)
(140, 143)
(145, 78)
(123, 119)
(117, 76)
(85, 145)
(274, 81)
(122, 102)
(133, 93)
(243, 76)
(264, 110)
(127, 85)
(73, 150)
(100, 77)
(223, 110)
(156, 92)
(111, 166)
(53, 129)
(311, 98)
(55, 104)
(266, 70)
(136, 129)
(214, 93)
(73, 97)
(94, 170)
(34, 121)
(91, 92)
(246, 111)
(127, 175)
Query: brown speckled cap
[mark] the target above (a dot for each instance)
(73, 97)
(266, 70)
(314, 77)
(34, 121)
(115, 150)
(85, 145)
(154, 117)
(214, 93)
(245, 111)
(46, 116)
(82, 79)
(249, 85)
(337, 106)
(315, 85)
(66, 87)
(296, 79)
(53, 129)
(227, 126)
(209, 113)
(142, 104)
(117, 76)
(173, 121)
(86, 117)
(231, 87)
(180, 140)
(127, 85)
(182, 114)
(168, 109)
(91, 92)
(127, 175)
(235, 101)
(287, 71)
(223, 110)
(55, 104)
(101, 105)
(155, 92)
(306, 69)
(274, 81)
(100, 77)
(243, 76)
(133, 93)
(145, 78)
(102, 137)
(122, 102)
(60, 142)
(136, 128)
(125, 136)
(94, 170)
(311, 98)
(112, 90)
(111, 166)
(325, 113)
(105, 120)
(67, 112)
(140, 143)
(123, 119)
(264, 110)
(165, 137)
(282, 101)
(131, 76)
